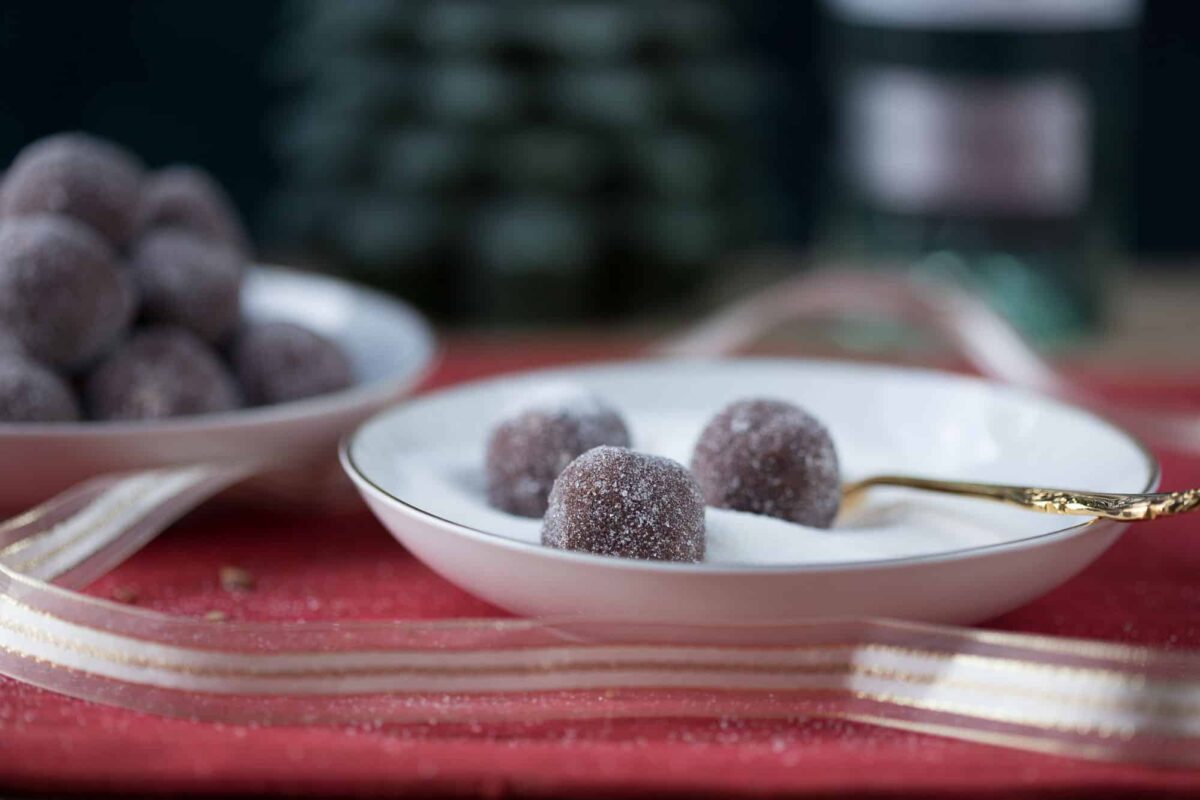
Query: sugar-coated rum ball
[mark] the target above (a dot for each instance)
(772, 458)
(613, 501)
(62, 294)
(160, 372)
(529, 447)
(190, 282)
(187, 198)
(10, 345)
(30, 392)
(276, 362)
(91, 180)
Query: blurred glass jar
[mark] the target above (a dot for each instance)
(986, 141)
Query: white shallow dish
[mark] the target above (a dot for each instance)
(966, 561)
(390, 345)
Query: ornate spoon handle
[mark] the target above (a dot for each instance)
(1125, 507)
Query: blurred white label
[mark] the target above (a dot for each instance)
(921, 143)
(990, 14)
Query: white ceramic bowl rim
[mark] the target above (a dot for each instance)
(358, 475)
(361, 393)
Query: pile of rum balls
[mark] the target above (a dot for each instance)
(570, 462)
(120, 295)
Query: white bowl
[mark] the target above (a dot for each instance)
(391, 347)
(883, 419)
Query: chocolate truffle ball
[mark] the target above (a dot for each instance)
(277, 361)
(31, 393)
(160, 372)
(62, 295)
(93, 181)
(187, 198)
(10, 345)
(769, 457)
(190, 282)
(613, 501)
(529, 448)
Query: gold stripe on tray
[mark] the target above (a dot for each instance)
(846, 667)
(907, 701)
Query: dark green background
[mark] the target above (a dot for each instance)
(189, 81)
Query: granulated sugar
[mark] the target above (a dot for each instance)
(448, 482)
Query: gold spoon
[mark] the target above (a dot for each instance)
(1124, 507)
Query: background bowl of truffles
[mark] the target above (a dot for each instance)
(136, 330)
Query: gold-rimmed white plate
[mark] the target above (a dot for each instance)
(939, 559)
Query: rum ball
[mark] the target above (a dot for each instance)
(159, 373)
(772, 458)
(277, 362)
(189, 199)
(188, 281)
(30, 392)
(10, 345)
(88, 179)
(528, 449)
(614, 501)
(62, 294)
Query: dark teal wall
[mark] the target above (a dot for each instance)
(190, 81)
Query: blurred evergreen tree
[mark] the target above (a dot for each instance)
(518, 159)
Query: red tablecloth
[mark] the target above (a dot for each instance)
(1145, 590)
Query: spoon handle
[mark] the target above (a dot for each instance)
(1124, 507)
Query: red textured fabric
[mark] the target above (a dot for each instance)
(1145, 590)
